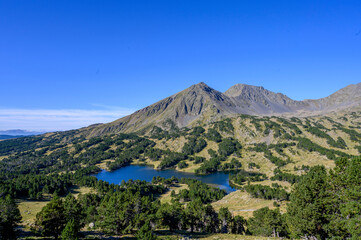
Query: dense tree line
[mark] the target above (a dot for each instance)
(128, 209)
(277, 129)
(197, 159)
(307, 144)
(194, 145)
(269, 223)
(288, 177)
(34, 186)
(197, 131)
(210, 165)
(154, 154)
(266, 192)
(242, 177)
(199, 190)
(233, 165)
(132, 150)
(292, 126)
(354, 136)
(171, 159)
(225, 126)
(196, 189)
(340, 143)
(262, 147)
(228, 146)
(213, 135)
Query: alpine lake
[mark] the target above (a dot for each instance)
(138, 172)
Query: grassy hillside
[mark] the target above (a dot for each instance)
(255, 144)
(287, 143)
(269, 153)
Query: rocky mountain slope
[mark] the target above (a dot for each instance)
(347, 97)
(201, 104)
(259, 101)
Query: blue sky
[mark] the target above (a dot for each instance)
(67, 64)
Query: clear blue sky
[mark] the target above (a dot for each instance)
(90, 61)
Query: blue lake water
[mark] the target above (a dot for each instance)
(136, 172)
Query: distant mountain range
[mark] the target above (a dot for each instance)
(19, 132)
(5, 137)
(201, 104)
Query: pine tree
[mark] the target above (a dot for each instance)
(238, 225)
(9, 218)
(73, 211)
(145, 233)
(345, 216)
(110, 215)
(170, 215)
(124, 212)
(268, 223)
(225, 218)
(70, 231)
(194, 213)
(51, 220)
(308, 209)
(210, 219)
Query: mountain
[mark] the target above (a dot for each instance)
(196, 103)
(259, 101)
(347, 97)
(201, 104)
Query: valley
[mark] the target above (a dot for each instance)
(198, 166)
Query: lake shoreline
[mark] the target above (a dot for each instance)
(145, 172)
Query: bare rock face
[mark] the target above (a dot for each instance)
(201, 104)
(258, 100)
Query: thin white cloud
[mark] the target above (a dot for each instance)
(57, 119)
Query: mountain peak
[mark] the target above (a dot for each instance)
(201, 86)
(259, 100)
(241, 88)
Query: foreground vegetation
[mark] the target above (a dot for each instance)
(322, 205)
